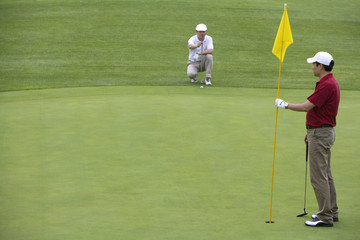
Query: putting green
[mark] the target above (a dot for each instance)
(164, 163)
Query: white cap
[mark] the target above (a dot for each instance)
(321, 57)
(201, 27)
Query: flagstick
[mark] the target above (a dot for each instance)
(276, 117)
(273, 163)
(284, 24)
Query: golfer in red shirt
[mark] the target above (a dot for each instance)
(322, 108)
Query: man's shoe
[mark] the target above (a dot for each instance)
(193, 80)
(314, 217)
(318, 223)
(208, 82)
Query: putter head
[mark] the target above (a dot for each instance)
(301, 215)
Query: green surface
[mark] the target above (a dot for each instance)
(67, 43)
(164, 163)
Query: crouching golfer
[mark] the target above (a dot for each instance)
(200, 58)
(321, 108)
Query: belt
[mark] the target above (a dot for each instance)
(323, 126)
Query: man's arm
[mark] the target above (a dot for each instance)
(193, 46)
(209, 51)
(299, 107)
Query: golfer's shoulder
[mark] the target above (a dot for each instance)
(192, 39)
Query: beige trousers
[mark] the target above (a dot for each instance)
(193, 68)
(320, 142)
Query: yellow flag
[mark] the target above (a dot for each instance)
(283, 37)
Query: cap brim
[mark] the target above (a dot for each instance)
(311, 60)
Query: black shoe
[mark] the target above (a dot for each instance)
(318, 223)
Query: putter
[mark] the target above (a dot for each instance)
(307, 153)
(201, 62)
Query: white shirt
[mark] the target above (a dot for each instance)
(193, 53)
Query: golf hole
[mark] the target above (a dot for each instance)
(269, 222)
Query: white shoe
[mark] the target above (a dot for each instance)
(318, 223)
(207, 82)
(193, 80)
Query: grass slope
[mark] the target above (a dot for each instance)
(52, 43)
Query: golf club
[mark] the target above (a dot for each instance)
(306, 161)
(201, 63)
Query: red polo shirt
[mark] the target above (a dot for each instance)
(326, 98)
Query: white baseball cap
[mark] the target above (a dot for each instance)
(321, 57)
(201, 27)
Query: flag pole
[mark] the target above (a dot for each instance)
(276, 117)
(273, 160)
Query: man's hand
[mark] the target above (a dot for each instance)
(281, 103)
(193, 45)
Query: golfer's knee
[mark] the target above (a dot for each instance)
(209, 57)
(192, 74)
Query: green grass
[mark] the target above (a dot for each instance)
(146, 155)
(163, 163)
(52, 43)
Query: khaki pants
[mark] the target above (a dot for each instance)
(193, 68)
(320, 142)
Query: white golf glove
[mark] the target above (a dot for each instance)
(281, 103)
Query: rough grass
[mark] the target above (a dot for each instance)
(51, 43)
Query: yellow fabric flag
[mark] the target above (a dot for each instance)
(283, 37)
